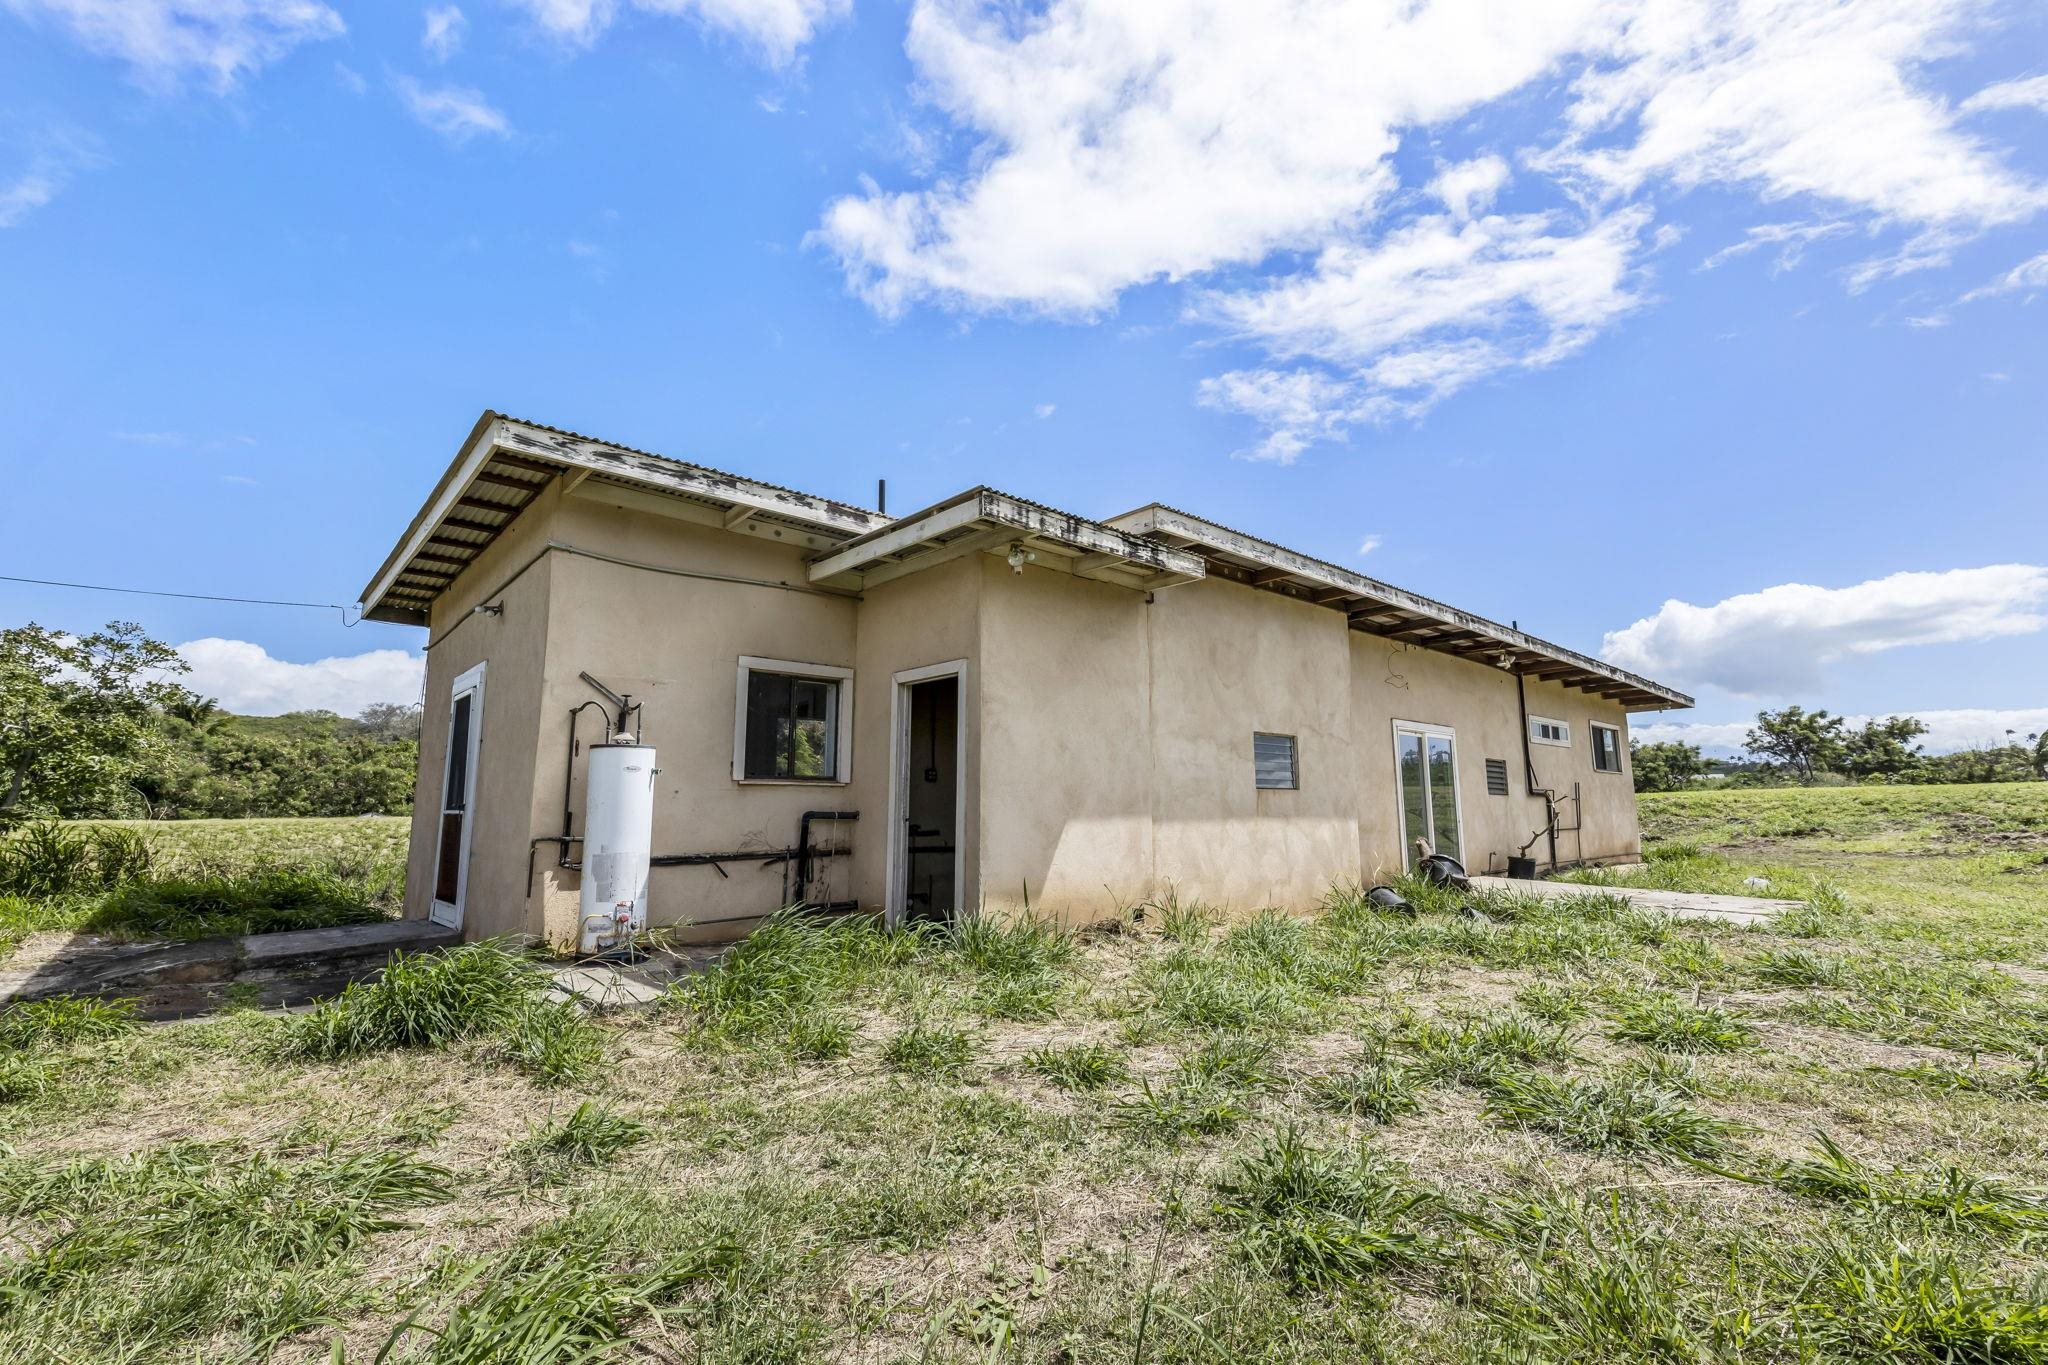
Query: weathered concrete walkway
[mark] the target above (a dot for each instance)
(175, 980)
(1681, 904)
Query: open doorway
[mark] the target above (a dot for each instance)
(926, 845)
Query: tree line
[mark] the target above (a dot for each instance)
(98, 726)
(1795, 746)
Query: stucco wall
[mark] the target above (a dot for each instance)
(1117, 750)
(1108, 736)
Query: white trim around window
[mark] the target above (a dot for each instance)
(1613, 747)
(1544, 730)
(842, 720)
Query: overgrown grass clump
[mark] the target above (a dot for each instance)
(124, 1258)
(1637, 1112)
(1670, 1024)
(487, 990)
(1947, 1196)
(1323, 1220)
(1083, 1066)
(589, 1134)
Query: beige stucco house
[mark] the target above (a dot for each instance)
(981, 704)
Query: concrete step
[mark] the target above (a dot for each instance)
(176, 980)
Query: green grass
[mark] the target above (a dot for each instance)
(192, 879)
(1562, 1130)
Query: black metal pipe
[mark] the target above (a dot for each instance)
(1529, 777)
(803, 842)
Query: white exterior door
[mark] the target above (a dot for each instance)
(1426, 777)
(455, 831)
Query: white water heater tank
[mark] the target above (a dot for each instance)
(618, 833)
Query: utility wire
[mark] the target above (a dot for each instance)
(188, 596)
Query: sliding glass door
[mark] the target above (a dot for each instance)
(1426, 767)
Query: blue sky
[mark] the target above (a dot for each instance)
(1709, 336)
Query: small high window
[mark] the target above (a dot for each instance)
(1544, 730)
(1273, 766)
(794, 723)
(1606, 748)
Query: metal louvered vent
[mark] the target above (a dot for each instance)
(1496, 777)
(1273, 762)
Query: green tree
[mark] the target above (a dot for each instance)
(1666, 767)
(1805, 742)
(1883, 748)
(80, 716)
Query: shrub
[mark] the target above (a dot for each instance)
(1321, 1220)
(1084, 1066)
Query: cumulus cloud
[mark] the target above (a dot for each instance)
(246, 679)
(1947, 730)
(1106, 146)
(1775, 643)
(445, 28)
(458, 113)
(776, 29)
(218, 42)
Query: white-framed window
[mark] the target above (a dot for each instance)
(1544, 730)
(1606, 748)
(1274, 767)
(793, 722)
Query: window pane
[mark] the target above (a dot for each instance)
(792, 727)
(1273, 762)
(1443, 796)
(455, 794)
(1414, 798)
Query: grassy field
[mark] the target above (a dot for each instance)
(1560, 1131)
(175, 879)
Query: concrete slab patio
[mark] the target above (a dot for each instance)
(1754, 910)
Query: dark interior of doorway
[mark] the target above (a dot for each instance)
(932, 789)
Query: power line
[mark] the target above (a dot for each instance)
(187, 596)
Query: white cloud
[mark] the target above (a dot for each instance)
(445, 29)
(1370, 543)
(1470, 186)
(55, 157)
(1044, 410)
(1105, 146)
(2028, 274)
(245, 679)
(457, 112)
(2028, 92)
(1790, 239)
(1775, 643)
(350, 79)
(217, 41)
(1947, 730)
(776, 29)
